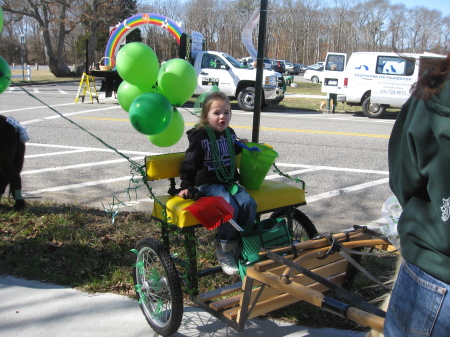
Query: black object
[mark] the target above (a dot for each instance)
(111, 80)
(193, 192)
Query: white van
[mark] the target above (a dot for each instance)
(374, 80)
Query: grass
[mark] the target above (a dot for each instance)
(39, 77)
(78, 246)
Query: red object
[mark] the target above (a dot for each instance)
(211, 211)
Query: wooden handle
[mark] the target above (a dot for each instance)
(315, 297)
(364, 318)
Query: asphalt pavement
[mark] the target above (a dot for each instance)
(31, 308)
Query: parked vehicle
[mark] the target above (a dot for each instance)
(314, 75)
(234, 79)
(279, 66)
(374, 80)
(301, 68)
(315, 66)
(292, 68)
(247, 61)
(267, 64)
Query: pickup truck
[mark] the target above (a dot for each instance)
(235, 79)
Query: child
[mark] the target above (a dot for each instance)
(210, 168)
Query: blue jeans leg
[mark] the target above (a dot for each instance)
(419, 305)
(243, 204)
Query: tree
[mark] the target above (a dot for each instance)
(55, 21)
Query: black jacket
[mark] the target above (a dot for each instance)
(198, 167)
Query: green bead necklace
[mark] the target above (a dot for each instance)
(224, 175)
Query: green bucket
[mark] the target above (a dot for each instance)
(255, 165)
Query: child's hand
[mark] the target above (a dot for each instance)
(183, 194)
(191, 193)
(243, 140)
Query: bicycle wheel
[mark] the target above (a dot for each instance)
(299, 224)
(158, 287)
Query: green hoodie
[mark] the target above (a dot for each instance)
(419, 168)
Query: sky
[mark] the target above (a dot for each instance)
(442, 5)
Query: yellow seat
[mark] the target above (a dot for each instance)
(271, 196)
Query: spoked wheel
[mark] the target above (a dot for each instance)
(158, 287)
(301, 227)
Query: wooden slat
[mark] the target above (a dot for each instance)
(280, 301)
(306, 247)
(224, 291)
(327, 271)
(309, 264)
(228, 302)
(311, 244)
(315, 297)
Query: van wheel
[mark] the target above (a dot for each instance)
(246, 99)
(372, 110)
(315, 79)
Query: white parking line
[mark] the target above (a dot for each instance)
(77, 166)
(332, 168)
(66, 115)
(56, 153)
(92, 149)
(348, 189)
(76, 186)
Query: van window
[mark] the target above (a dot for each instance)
(335, 62)
(392, 65)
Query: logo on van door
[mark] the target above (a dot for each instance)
(363, 67)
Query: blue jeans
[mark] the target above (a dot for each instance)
(243, 204)
(419, 305)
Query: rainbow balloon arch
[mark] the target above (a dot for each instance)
(125, 27)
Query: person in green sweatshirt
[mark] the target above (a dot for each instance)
(419, 176)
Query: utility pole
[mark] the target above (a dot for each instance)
(22, 47)
(259, 71)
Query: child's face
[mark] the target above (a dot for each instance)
(219, 115)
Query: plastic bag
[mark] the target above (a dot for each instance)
(391, 211)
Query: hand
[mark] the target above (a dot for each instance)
(184, 194)
(191, 193)
(243, 140)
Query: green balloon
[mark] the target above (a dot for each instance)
(150, 113)
(200, 99)
(137, 64)
(5, 75)
(172, 134)
(177, 80)
(126, 93)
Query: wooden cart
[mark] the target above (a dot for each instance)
(299, 272)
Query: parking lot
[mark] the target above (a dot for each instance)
(90, 153)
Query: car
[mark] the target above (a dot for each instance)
(292, 68)
(267, 63)
(302, 67)
(314, 75)
(279, 66)
(247, 61)
(315, 66)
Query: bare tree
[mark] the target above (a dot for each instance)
(55, 21)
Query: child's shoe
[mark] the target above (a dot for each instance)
(225, 255)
